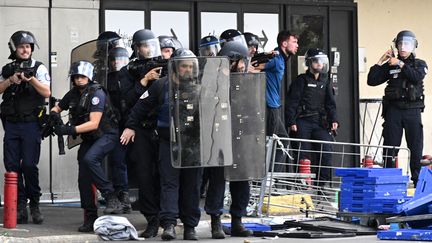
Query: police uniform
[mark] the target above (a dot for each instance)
(403, 104)
(19, 112)
(312, 107)
(143, 153)
(117, 157)
(179, 187)
(96, 144)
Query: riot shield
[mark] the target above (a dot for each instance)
(96, 53)
(200, 112)
(248, 126)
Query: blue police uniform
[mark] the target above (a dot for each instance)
(180, 188)
(403, 103)
(96, 144)
(143, 154)
(311, 106)
(19, 113)
(117, 157)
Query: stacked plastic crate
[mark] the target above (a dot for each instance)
(372, 190)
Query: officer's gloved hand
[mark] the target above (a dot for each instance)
(65, 130)
(54, 115)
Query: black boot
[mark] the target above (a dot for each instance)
(152, 227)
(123, 197)
(113, 205)
(189, 233)
(238, 229)
(22, 212)
(216, 227)
(35, 212)
(89, 219)
(169, 232)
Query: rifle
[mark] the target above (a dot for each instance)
(140, 68)
(262, 57)
(49, 122)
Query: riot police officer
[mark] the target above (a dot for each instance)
(168, 45)
(311, 108)
(25, 83)
(403, 100)
(232, 35)
(239, 59)
(252, 42)
(93, 118)
(209, 46)
(142, 154)
(179, 187)
(105, 42)
(118, 57)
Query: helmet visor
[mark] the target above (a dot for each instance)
(319, 63)
(406, 43)
(209, 51)
(148, 48)
(239, 38)
(117, 63)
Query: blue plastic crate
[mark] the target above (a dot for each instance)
(252, 226)
(358, 208)
(371, 188)
(367, 172)
(374, 194)
(424, 184)
(418, 205)
(376, 180)
(405, 234)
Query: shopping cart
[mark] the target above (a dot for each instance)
(299, 187)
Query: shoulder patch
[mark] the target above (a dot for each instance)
(47, 77)
(425, 70)
(95, 100)
(145, 95)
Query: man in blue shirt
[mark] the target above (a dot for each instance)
(275, 69)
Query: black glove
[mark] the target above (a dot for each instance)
(54, 116)
(65, 130)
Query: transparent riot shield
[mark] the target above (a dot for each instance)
(200, 112)
(248, 126)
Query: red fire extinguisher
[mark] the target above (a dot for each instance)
(10, 200)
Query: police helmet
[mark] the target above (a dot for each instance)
(82, 68)
(315, 55)
(405, 41)
(231, 35)
(18, 38)
(209, 46)
(118, 58)
(166, 41)
(235, 51)
(180, 55)
(251, 39)
(145, 37)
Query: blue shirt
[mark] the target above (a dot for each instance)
(274, 70)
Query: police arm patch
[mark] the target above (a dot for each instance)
(144, 95)
(95, 100)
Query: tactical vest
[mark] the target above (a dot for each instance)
(80, 113)
(21, 103)
(401, 92)
(314, 92)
